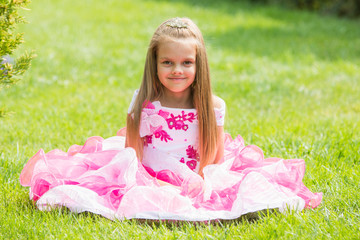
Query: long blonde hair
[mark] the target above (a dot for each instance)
(151, 89)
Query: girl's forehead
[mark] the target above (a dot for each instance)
(168, 40)
(177, 48)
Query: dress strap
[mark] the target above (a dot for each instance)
(133, 100)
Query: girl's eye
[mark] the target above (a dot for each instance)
(187, 63)
(166, 62)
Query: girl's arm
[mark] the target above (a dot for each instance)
(219, 153)
(126, 140)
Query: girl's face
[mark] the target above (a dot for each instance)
(176, 66)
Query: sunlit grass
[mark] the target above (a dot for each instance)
(290, 80)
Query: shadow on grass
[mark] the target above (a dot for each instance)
(289, 32)
(175, 224)
(252, 217)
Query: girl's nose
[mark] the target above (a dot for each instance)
(177, 69)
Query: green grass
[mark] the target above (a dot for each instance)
(291, 81)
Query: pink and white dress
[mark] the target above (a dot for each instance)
(105, 178)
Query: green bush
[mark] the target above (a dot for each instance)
(348, 8)
(11, 70)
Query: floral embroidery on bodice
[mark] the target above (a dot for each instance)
(171, 134)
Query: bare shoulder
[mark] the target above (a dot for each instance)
(218, 102)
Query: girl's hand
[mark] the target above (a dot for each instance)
(192, 186)
(162, 183)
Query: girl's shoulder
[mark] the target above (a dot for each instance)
(219, 108)
(218, 102)
(136, 92)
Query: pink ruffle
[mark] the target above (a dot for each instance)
(113, 183)
(283, 173)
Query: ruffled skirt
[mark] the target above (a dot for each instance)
(105, 178)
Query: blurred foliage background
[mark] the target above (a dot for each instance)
(11, 69)
(347, 8)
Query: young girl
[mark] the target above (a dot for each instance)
(175, 161)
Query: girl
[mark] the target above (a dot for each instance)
(177, 75)
(175, 162)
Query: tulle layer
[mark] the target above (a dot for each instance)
(105, 178)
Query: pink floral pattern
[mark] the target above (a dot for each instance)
(178, 122)
(148, 104)
(148, 139)
(154, 123)
(194, 157)
(164, 114)
(163, 135)
(191, 152)
(191, 164)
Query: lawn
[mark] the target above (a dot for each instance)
(291, 81)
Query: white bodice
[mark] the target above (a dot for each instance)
(171, 136)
